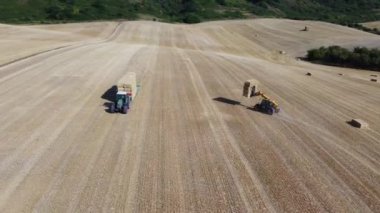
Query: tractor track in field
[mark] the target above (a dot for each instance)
(45, 55)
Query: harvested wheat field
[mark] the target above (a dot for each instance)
(374, 24)
(190, 143)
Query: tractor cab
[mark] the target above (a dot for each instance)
(122, 96)
(121, 103)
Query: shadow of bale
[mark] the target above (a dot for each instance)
(110, 94)
(227, 101)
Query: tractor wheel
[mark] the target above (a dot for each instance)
(270, 111)
(125, 110)
(112, 108)
(256, 107)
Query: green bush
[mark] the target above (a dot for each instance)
(233, 14)
(191, 19)
(360, 57)
(221, 2)
(363, 28)
(336, 11)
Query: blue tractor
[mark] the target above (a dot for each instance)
(121, 103)
(267, 106)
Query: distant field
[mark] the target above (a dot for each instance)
(374, 24)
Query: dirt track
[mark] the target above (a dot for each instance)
(189, 143)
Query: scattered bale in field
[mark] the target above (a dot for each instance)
(340, 74)
(373, 75)
(358, 123)
(282, 52)
(374, 80)
(308, 74)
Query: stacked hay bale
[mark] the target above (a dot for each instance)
(128, 84)
(250, 88)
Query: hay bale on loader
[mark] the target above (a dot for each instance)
(250, 88)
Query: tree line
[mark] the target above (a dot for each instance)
(189, 11)
(359, 57)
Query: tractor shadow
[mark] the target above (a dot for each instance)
(109, 96)
(252, 108)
